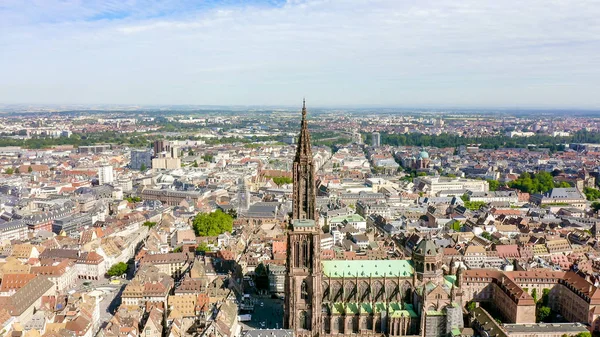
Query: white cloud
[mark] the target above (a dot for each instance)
(335, 52)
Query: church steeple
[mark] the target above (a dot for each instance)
(304, 138)
(304, 203)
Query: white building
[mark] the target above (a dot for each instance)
(433, 185)
(327, 241)
(105, 175)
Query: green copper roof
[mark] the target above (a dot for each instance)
(450, 280)
(409, 308)
(352, 308)
(395, 306)
(349, 218)
(435, 313)
(338, 308)
(366, 268)
(379, 307)
(366, 308)
(303, 223)
(455, 332)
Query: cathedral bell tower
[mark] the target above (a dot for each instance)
(303, 270)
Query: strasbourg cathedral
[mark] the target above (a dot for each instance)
(420, 296)
(362, 297)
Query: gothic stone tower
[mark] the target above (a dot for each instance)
(303, 272)
(305, 191)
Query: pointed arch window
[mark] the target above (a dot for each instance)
(303, 320)
(304, 290)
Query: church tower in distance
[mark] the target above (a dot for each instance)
(303, 271)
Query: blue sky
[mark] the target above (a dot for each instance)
(444, 53)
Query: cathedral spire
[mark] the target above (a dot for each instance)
(304, 108)
(304, 138)
(304, 203)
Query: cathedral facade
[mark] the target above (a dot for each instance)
(360, 297)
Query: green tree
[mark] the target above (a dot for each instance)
(133, 199)
(202, 248)
(596, 206)
(455, 226)
(212, 224)
(29, 169)
(471, 305)
(149, 224)
(474, 205)
(486, 236)
(143, 167)
(17, 171)
(591, 193)
(537, 183)
(117, 269)
(584, 334)
(282, 180)
(542, 313)
(195, 164)
(545, 296)
(208, 157)
(494, 184)
(9, 170)
(534, 295)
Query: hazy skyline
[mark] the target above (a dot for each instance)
(385, 52)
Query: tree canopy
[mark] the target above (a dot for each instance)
(282, 180)
(149, 224)
(537, 183)
(494, 184)
(117, 269)
(212, 224)
(202, 248)
(591, 193)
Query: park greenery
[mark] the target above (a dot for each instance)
(540, 182)
(591, 193)
(117, 269)
(474, 205)
(280, 180)
(212, 224)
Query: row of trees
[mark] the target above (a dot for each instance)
(134, 139)
(447, 140)
(11, 170)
